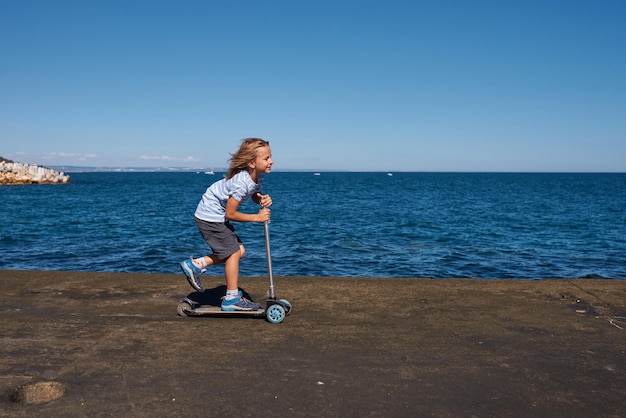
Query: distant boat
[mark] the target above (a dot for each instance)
(390, 174)
(316, 174)
(210, 172)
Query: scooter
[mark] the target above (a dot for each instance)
(275, 309)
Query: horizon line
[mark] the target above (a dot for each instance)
(202, 170)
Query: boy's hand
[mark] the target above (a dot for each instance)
(264, 200)
(264, 215)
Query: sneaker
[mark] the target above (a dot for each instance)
(239, 304)
(193, 274)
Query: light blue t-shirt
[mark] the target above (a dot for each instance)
(212, 206)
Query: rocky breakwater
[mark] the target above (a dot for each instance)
(18, 173)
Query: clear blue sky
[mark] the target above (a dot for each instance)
(333, 85)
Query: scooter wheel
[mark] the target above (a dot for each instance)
(184, 309)
(275, 314)
(286, 305)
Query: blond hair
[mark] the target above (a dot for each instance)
(244, 155)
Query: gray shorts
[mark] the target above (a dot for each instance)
(220, 236)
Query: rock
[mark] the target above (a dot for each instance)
(18, 173)
(36, 393)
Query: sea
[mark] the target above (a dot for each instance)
(338, 224)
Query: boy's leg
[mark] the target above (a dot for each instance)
(206, 261)
(218, 236)
(233, 300)
(231, 270)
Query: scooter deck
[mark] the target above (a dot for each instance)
(216, 310)
(275, 311)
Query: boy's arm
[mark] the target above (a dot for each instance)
(233, 214)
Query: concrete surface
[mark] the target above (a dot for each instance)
(112, 345)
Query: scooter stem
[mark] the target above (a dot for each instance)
(269, 259)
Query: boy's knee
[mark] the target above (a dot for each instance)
(242, 251)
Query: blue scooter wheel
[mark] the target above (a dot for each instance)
(275, 314)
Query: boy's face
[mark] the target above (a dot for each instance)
(263, 161)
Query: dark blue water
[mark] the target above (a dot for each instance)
(440, 225)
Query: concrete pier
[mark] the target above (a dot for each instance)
(111, 344)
